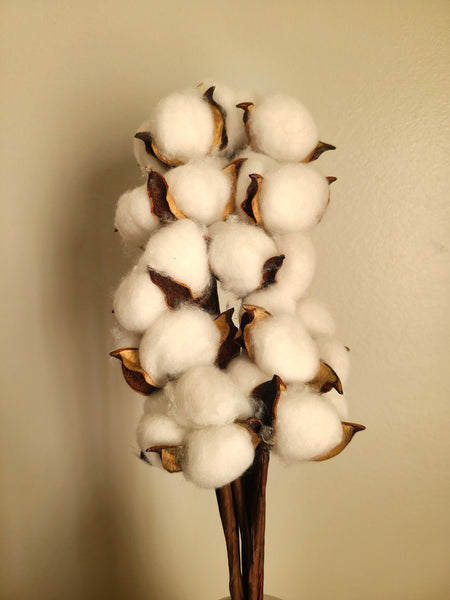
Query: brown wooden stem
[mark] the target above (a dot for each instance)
(226, 509)
(240, 508)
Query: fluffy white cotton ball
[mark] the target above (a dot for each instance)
(178, 340)
(316, 317)
(182, 126)
(339, 403)
(283, 128)
(201, 190)
(157, 429)
(158, 402)
(205, 395)
(237, 253)
(123, 338)
(134, 219)
(335, 354)
(273, 298)
(138, 301)
(306, 427)
(216, 456)
(280, 345)
(179, 251)
(145, 159)
(293, 198)
(245, 374)
(254, 163)
(297, 270)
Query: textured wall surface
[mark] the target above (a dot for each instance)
(81, 517)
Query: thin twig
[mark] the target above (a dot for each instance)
(224, 497)
(240, 509)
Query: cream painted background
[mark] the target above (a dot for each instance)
(82, 518)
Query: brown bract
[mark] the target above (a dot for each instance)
(228, 346)
(133, 373)
(220, 140)
(232, 170)
(162, 204)
(330, 180)
(267, 395)
(250, 206)
(325, 380)
(247, 107)
(318, 151)
(152, 149)
(270, 269)
(251, 315)
(349, 430)
(171, 457)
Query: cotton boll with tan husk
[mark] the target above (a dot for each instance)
(216, 456)
(237, 253)
(273, 298)
(255, 163)
(205, 395)
(178, 340)
(316, 317)
(123, 338)
(281, 345)
(299, 265)
(339, 403)
(134, 219)
(293, 198)
(335, 354)
(146, 160)
(201, 190)
(283, 128)
(155, 429)
(306, 427)
(138, 301)
(179, 251)
(245, 374)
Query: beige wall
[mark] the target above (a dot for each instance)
(82, 518)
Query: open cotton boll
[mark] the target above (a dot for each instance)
(293, 198)
(339, 403)
(146, 161)
(182, 126)
(306, 427)
(138, 301)
(178, 340)
(272, 298)
(283, 128)
(179, 251)
(201, 190)
(281, 345)
(297, 270)
(123, 338)
(134, 219)
(205, 395)
(237, 253)
(245, 374)
(255, 163)
(335, 354)
(316, 317)
(158, 402)
(155, 429)
(216, 456)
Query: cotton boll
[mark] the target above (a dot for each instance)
(335, 354)
(281, 345)
(201, 190)
(281, 127)
(178, 340)
(145, 160)
(272, 298)
(237, 254)
(138, 301)
(306, 427)
(179, 251)
(245, 374)
(216, 456)
(157, 429)
(204, 396)
(316, 317)
(123, 338)
(182, 126)
(158, 402)
(339, 403)
(255, 163)
(134, 219)
(297, 270)
(293, 198)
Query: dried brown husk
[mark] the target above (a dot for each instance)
(152, 149)
(162, 204)
(268, 394)
(349, 430)
(138, 379)
(253, 426)
(228, 346)
(251, 315)
(318, 151)
(330, 180)
(270, 270)
(232, 170)
(171, 457)
(220, 140)
(250, 206)
(325, 380)
(247, 107)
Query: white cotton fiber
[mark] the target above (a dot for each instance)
(138, 301)
(178, 340)
(283, 128)
(201, 190)
(182, 126)
(155, 429)
(237, 253)
(123, 338)
(280, 345)
(273, 298)
(205, 395)
(293, 198)
(339, 403)
(179, 251)
(307, 426)
(245, 374)
(254, 164)
(316, 317)
(335, 354)
(146, 160)
(216, 456)
(134, 219)
(297, 270)
(158, 402)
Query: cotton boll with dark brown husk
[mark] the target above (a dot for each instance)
(245, 374)
(134, 219)
(216, 456)
(335, 354)
(293, 198)
(273, 298)
(123, 338)
(205, 395)
(146, 160)
(281, 345)
(237, 253)
(283, 128)
(306, 427)
(255, 163)
(178, 340)
(179, 251)
(316, 317)
(138, 301)
(201, 190)
(297, 270)
(157, 429)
